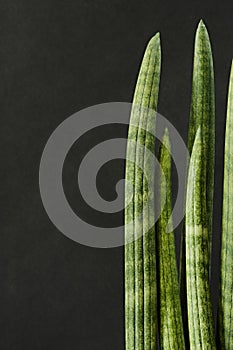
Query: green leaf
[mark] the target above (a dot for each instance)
(202, 114)
(140, 282)
(171, 325)
(226, 273)
(200, 317)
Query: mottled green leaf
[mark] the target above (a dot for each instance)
(226, 274)
(170, 317)
(200, 316)
(140, 277)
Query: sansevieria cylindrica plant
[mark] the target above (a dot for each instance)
(153, 295)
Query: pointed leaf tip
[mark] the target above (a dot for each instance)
(166, 132)
(157, 35)
(198, 134)
(155, 39)
(201, 24)
(201, 28)
(166, 139)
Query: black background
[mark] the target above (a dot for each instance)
(57, 57)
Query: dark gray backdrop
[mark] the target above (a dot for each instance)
(57, 57)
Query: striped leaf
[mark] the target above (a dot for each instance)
(202, 114)
(140, 275)
(226, 274)
(200, 317)
(171, 325)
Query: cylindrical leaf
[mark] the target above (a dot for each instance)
(200, 317)
(226, 275)
(140, 283)
(170, 317)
